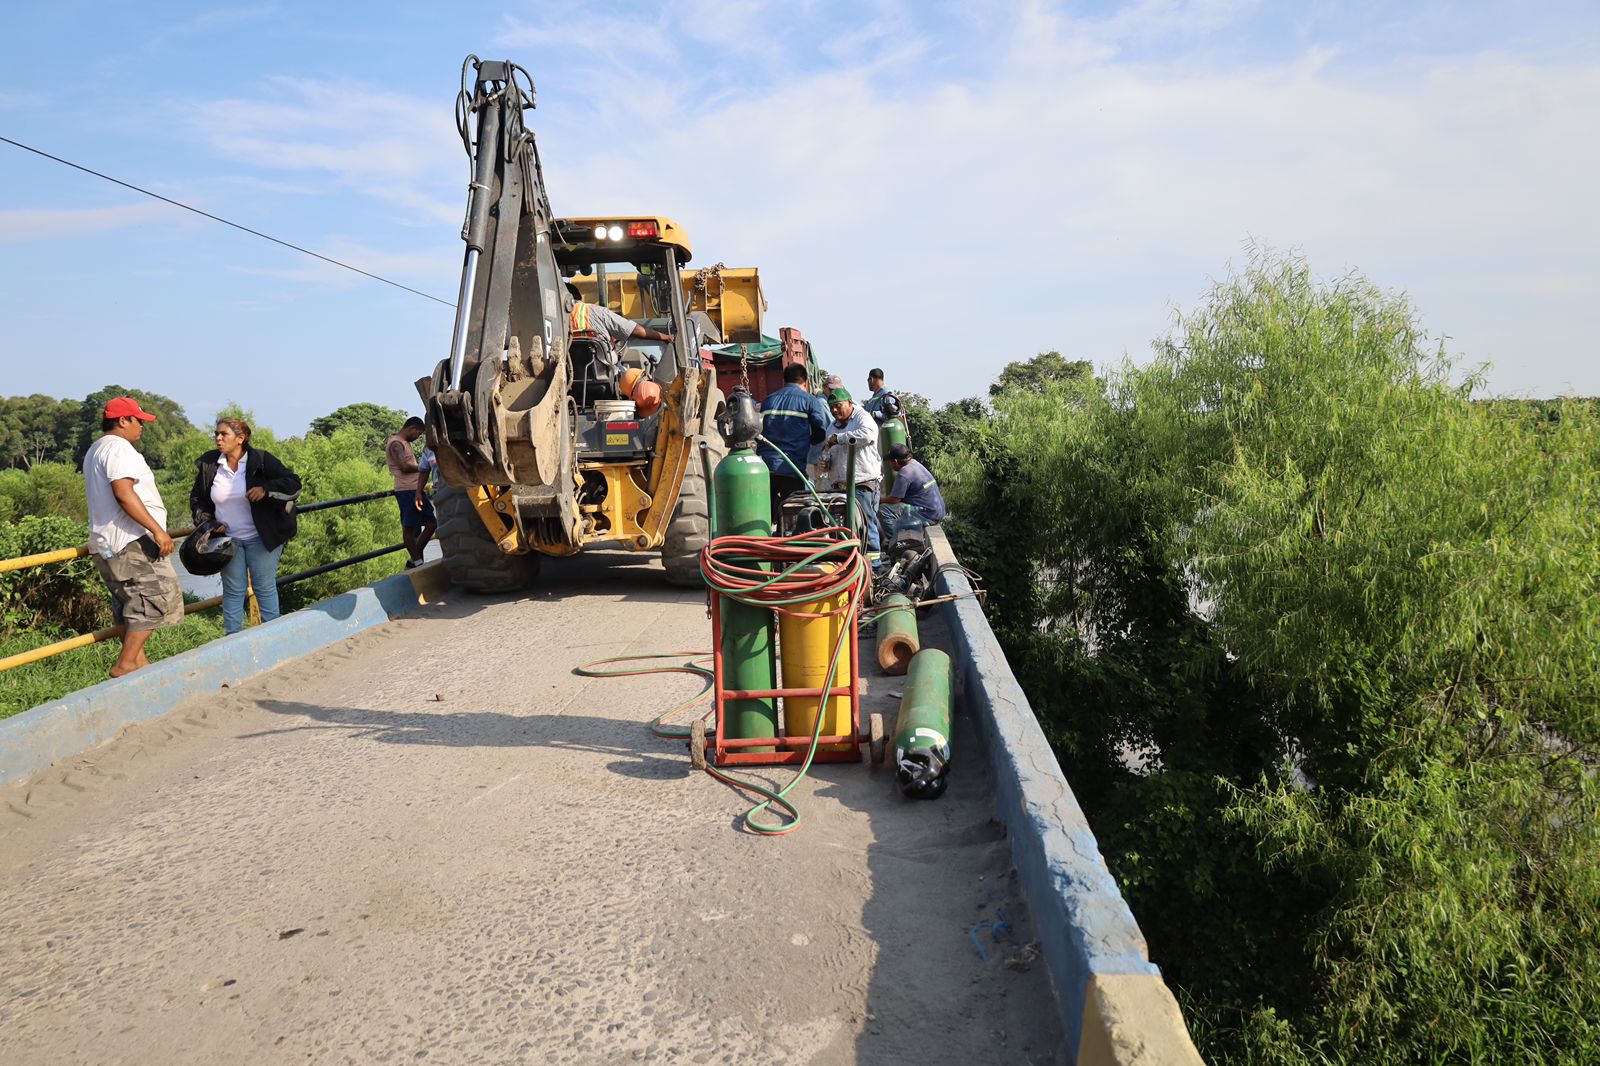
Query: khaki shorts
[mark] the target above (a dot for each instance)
(144, 587)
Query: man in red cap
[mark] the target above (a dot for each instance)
(128, 532)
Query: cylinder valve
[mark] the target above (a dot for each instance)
(742, 420)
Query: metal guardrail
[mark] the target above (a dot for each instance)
(83, 640)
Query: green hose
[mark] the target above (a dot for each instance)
(816, 549)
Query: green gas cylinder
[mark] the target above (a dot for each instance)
(922, 734)
(742, 507)
(892, 432)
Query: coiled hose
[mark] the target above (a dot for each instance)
(782, 574)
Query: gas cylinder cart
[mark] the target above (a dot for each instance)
(806, 590)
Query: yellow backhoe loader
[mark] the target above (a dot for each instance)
(552, 438)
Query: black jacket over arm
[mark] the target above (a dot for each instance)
(274, 515)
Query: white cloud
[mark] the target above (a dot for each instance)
(1049, 192)
(421, 269)
(17, 100)
(397, 148)
(28, 224)
(1067, 197)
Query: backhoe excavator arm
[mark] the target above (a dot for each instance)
(496, 406)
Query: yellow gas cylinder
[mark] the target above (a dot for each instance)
(805, 647)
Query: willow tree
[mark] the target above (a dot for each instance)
(1344, 619)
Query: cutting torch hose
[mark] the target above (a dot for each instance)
(696, 665)
(782, 574)
(786, 575)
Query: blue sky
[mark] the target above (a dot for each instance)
(935, 188)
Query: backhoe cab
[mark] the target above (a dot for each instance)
(542, 449)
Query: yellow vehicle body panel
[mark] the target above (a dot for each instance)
(730, 296)
(633, 512)
(668, 231)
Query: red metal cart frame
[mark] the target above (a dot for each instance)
(722, 750)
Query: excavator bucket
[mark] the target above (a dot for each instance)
(497, 407)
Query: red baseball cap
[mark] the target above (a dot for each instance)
(124, 406)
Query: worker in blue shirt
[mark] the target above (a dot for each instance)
(914, 496)
(792, 420)
(881, 404)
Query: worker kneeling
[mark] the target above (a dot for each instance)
(915, 498)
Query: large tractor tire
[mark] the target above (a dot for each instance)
(690, 529)
(471, 557)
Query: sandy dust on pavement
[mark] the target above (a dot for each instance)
(434, 842)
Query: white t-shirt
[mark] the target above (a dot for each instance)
(229, 503)
(109, 459)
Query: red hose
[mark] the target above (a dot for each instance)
(733, 566)
(780, 573)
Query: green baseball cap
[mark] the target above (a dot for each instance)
(839, 396)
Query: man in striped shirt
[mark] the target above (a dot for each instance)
(596, 320)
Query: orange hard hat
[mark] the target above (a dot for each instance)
(630, 377)
(647, 398)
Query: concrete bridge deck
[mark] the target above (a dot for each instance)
(433, 842)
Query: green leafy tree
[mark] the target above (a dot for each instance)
(332, 466)
(56, 599)
(36, 429)
(933, 431)
(43, 489)
(1034, 374)
(1311, 632)
(170, 423)
(373, 422)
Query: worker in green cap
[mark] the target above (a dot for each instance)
(852, 425)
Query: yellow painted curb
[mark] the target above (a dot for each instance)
(1132, 1018)
(430, 581)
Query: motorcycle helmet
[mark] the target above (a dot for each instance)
(205, 552)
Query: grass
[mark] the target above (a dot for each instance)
(28, 686)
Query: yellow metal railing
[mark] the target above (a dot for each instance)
(65, 555)
(83, 640)
(45, 651)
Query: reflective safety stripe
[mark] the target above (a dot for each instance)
(580, 317)
(784, 414)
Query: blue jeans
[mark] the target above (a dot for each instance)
(262, 565)
(867, 505)
(892, 517)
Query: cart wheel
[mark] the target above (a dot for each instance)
(697, 744)
(878, 741)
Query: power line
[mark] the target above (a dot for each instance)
(225, 222)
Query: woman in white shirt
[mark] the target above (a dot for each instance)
(250, 495)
